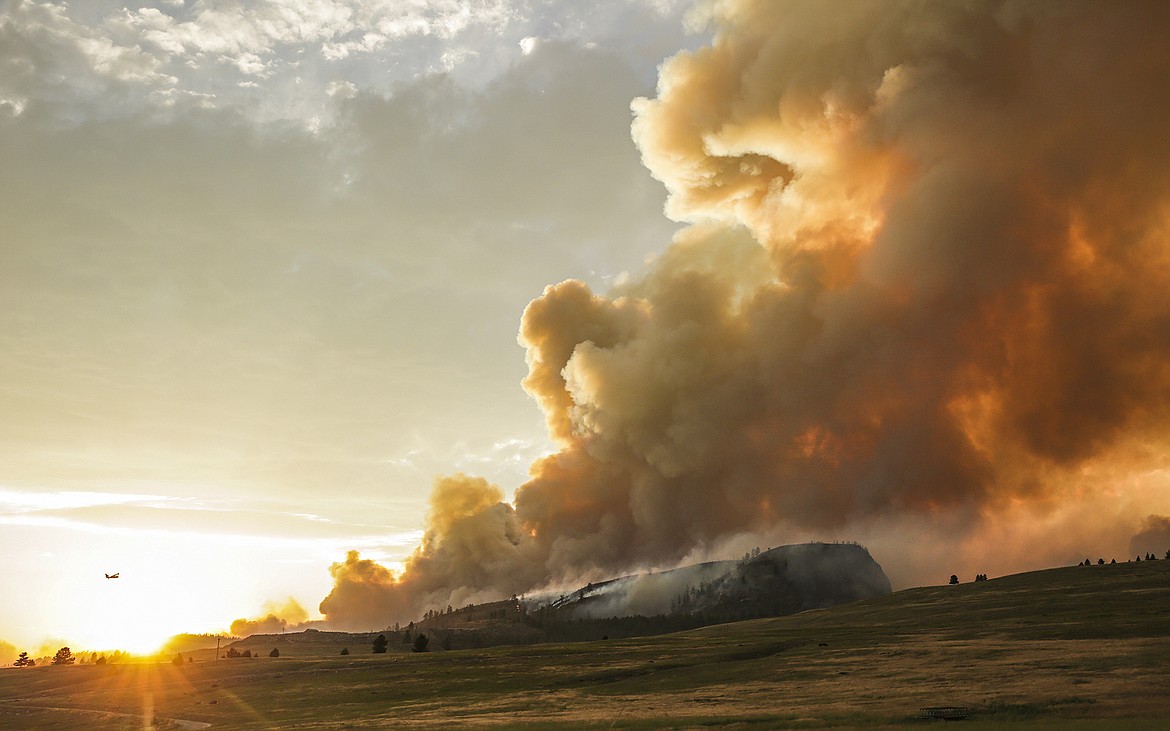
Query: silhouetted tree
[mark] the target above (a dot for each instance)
(406, 637)
(246, 653)
(275, 653)
(24, 661)
(100, 661)
(177, 659)
(232, 652)
(1100, 562)
(63, 657)
(420, 643)
(954, 579)
(1112, 560)
(345, 651)
(380, 644)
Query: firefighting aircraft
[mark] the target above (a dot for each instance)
(113, 576)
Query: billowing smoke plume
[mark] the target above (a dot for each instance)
(474, 548)
(926, 284)
(278, 618)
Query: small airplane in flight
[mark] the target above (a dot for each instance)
(113, 576)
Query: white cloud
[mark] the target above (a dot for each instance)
(13, 105)
(55, 52)
(341, 89)
(367, 43)
(250, 64)
(44, 53)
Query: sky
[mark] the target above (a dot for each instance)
(263, 265)
(337, 311)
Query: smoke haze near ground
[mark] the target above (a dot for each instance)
(277, 618)
(8, 653)
(1154, 537)
(922, 304)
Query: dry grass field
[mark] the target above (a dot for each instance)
(1068, 648)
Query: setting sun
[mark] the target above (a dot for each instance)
(124, 614)
(182, 583)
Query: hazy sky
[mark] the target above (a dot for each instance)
(262, 266)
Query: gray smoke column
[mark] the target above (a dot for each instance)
(925, 285)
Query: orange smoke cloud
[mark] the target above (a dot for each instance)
(925, 281)
(279, 617)
(474, 548)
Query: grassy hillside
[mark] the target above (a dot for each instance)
(1078, 647)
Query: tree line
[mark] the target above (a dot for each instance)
(65, 656)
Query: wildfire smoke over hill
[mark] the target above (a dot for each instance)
(923, 296)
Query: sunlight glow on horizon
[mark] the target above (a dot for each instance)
(170, 582)
(131, 614)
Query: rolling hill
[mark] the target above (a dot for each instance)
(1067, 648)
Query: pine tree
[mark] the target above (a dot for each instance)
(63, 657)
(420, 643)
(380, 644)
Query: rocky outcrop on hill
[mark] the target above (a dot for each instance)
(779, 581)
